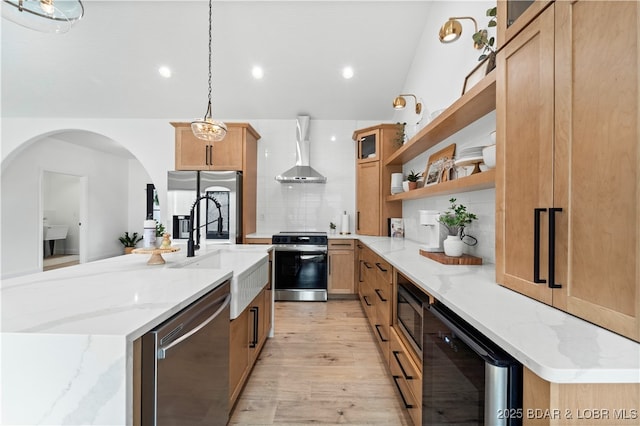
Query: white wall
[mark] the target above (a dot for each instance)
(105, 219)
(437, 76)
(305, 207)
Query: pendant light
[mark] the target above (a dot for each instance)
(49, 16)
(207, 128)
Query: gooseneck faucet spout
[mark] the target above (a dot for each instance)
(192, 246)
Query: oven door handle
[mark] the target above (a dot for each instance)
(301, 249)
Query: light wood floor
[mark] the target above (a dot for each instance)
(322, 366)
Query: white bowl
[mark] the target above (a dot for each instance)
(489, 156)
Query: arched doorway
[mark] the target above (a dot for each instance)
(111, 180)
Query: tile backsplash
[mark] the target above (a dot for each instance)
(481, 203)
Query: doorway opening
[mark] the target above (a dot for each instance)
(62, 207)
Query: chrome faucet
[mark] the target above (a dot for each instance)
(192, 245)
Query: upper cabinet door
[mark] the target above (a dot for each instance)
(368, 198)
(191, 153)
(227, 153)
(598, 162)
(368, 146)
(524, 179)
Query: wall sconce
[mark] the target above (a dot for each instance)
(452, 30)
(399, 103)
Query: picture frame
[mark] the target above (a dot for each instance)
(478, 73)
(433, 172)
(397, 227)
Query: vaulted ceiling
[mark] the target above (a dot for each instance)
(107, 65)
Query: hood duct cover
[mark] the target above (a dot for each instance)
(301, 172)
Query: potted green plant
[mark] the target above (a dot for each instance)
(482, 39)
(455, 219)
(413, 177)
(332, 227)
(401, 137)
(129, 241)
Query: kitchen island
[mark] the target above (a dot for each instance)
(67, 334)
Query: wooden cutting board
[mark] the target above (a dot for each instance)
(465, 259)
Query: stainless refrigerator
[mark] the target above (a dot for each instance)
(218, 221)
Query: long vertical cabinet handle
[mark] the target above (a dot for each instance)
(358, 221)
(536, 246)
(206, 155)
(552, 247)
(254, 338)
(329, 264)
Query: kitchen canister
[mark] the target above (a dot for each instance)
(396, 183)
(149, 235)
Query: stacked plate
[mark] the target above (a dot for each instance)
(469, 155)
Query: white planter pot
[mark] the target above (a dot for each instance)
(453, 246)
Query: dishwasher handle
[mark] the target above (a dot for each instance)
(162, 351)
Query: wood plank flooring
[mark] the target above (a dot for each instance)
(322, 366)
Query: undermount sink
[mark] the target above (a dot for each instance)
(247, 284)
(55, 232)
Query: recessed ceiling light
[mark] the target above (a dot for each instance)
(164, 71)
(333, 138)
(347, 72)
(257, 72)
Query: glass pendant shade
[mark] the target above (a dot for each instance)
(49, 16)
(208, 129)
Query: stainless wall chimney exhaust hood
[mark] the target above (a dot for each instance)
(301, 172)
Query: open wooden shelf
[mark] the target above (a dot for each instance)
(476, 103)
(482, 180)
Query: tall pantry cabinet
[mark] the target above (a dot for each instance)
(373, 179)
(567, 187)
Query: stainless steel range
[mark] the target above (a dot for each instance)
(300, 266)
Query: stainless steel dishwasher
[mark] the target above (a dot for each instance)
(185, 365)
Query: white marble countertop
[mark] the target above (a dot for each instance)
(67, 333)
(556, 346)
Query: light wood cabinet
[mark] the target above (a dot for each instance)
(407, 376)
(514, 15)
(576, 404)
(373, 180)
(376, 296)
(568, 211)
(229, 154)
(248, 334)
(341, 267)
(238, 151)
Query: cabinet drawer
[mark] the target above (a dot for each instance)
(341, 244)
(407, 375)
(383, 270)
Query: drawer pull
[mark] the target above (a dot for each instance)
(382, 299)
(404, 401)
(382, 339)
(404, 373)
(367, 264)
(380, 267)
(366, 300)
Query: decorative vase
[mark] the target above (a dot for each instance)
(453, 246)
